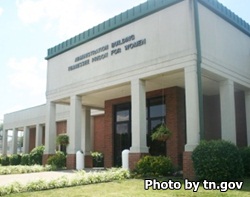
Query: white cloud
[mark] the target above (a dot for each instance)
(29, 76)
(70, 17)
(67, 17)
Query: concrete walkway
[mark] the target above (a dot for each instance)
(25, 178)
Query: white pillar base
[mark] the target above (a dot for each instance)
(139, 150)
(190, 147)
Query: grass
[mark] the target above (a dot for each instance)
(133, 187)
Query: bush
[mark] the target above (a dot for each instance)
(154, 165)
(5, 161)
(245, 155)
(23, 169)
(25, 160)
(217, 160)
(80, 178)
(58, 160)
(36, 155)
(15, 159)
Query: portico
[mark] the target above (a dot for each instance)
(123, 77)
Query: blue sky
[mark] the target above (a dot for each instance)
(29, 27)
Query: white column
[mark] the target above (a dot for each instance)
(192, 108)
(247, 102)
(139, 121)
(75, 130)
(14, 142)
(5, 142)
(227, 106)
(39, 134)
(50, 128)
(26, 139)
(86, 127)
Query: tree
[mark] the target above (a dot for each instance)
(1, 134)
(1, 131)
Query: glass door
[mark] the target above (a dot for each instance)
(122, 131)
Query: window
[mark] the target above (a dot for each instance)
(156, 115)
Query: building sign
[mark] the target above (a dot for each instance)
(103, 52)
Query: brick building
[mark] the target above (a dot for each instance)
(184, 63)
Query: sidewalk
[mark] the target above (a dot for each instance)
(25, 178)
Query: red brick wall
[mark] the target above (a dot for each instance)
(188, 170)
(88, 161)
(99, 134)
(175, 119)
(108, 130)
(175, 106)
(241, 125)
(45, 158)
(71, 161)
(212, 117)
(43, 136)
(134, 158)
(212, 125)
(32, 140)
(61, 127)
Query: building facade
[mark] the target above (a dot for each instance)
(184, 63)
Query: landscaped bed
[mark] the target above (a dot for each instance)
(80, 178)
(4, 170)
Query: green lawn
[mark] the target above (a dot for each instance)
(133, 187)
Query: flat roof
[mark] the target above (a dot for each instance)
(138, 12)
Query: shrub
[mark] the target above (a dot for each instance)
(154, 165)
(15, 159)
(80, 178)
(217, 160)
(58, 160)
(5, 161)
(25, 160)
(23, 169)
(245, 155)
(36, 155)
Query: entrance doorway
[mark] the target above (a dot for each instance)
(122, 131)
(156, 115)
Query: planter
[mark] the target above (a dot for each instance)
(98, 163)
(161, 133)
(98, 159)
(62, 139)
(163, 137)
